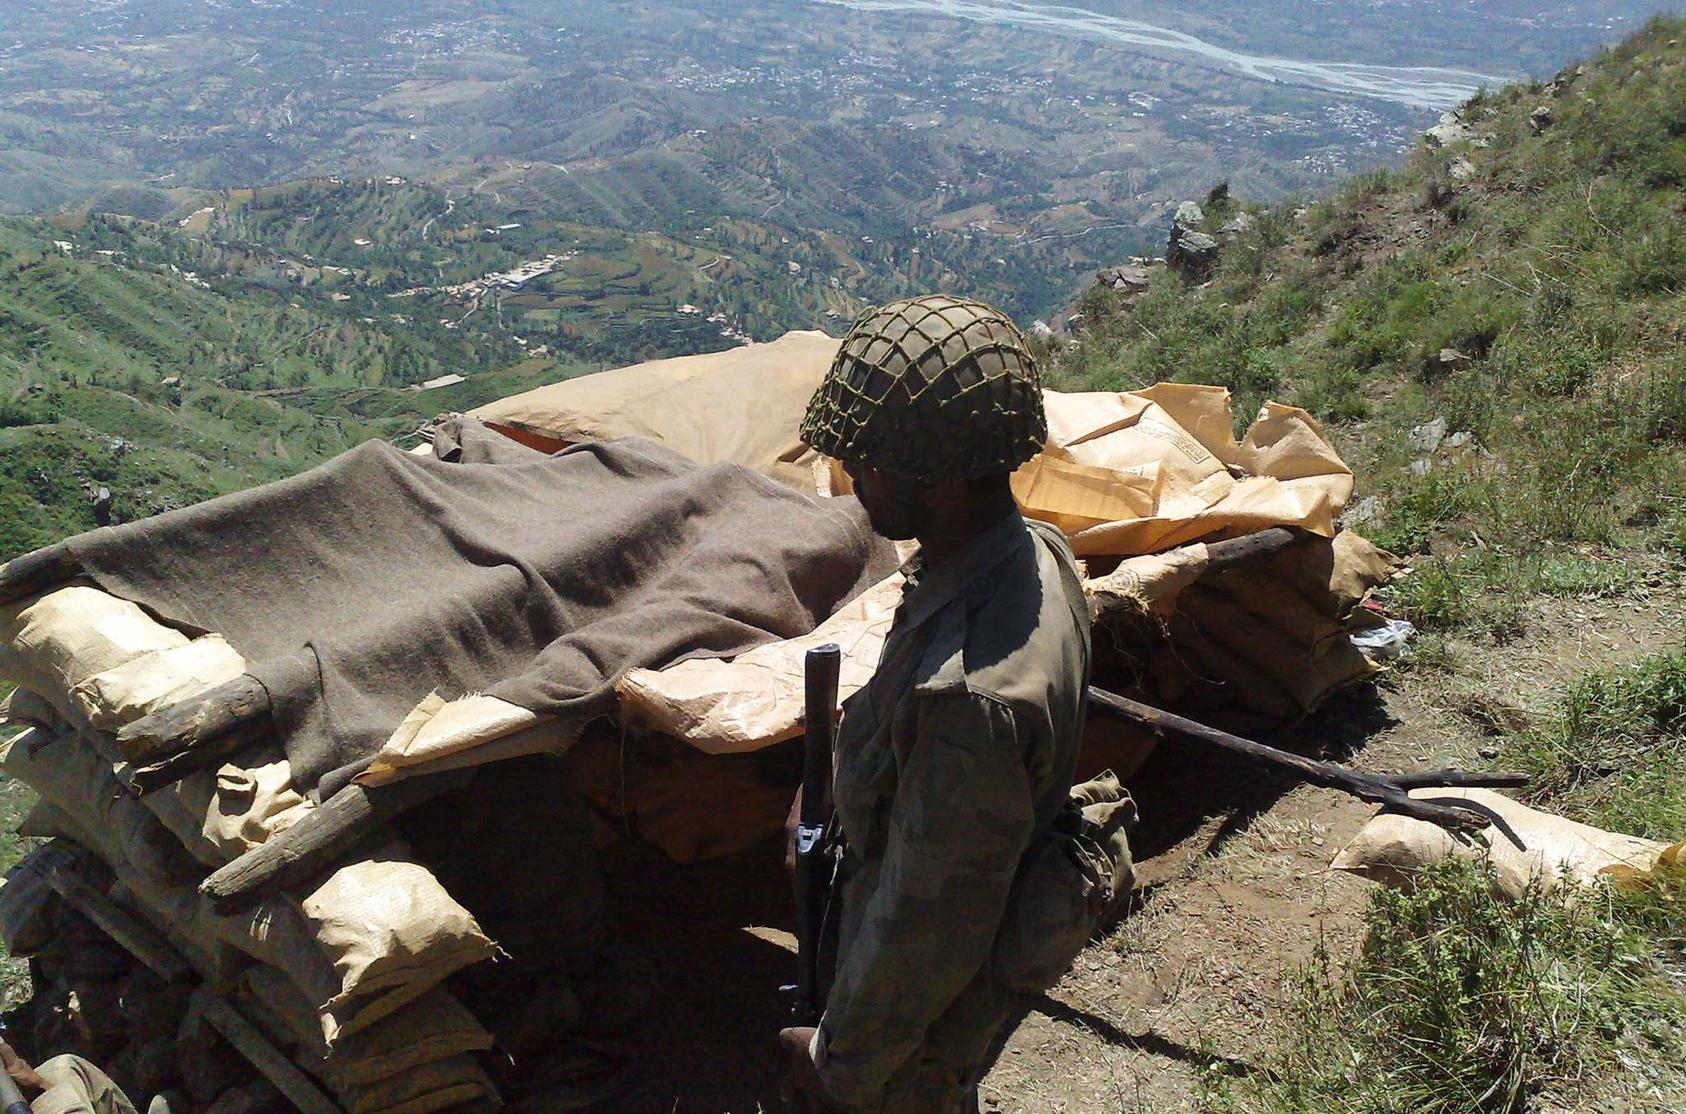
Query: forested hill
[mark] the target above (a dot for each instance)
(1493, 332)
(121, 371)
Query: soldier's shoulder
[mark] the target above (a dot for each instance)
(1005, 634)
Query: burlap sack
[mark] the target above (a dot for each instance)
(54, 643)
(249, 804)
(154, 680)
(435, 1086)
(28, 908)
(23, 708)
(392, 933)
(1393, 849)
(69, 774)
(432, 1028)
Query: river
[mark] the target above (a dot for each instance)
(1423, 87)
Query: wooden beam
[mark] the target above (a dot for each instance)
(1228, 554)
(34, 573)
(137, 937)
(166, 770)
(299, 1088)
(324, 836)
(191, 723)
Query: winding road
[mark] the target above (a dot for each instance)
(1427, 87)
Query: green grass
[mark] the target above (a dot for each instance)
(1614, 755)
(1555, 276)
(1463, 1003)
(1459, 1003)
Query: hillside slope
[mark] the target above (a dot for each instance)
(122, 371)
(1493, 333)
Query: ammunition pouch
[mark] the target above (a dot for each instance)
(1067, 884)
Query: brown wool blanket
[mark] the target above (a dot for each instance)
(360, 586)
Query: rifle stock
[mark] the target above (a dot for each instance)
(814, 858)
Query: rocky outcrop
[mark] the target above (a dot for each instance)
(1454, 128)
(1191, 253)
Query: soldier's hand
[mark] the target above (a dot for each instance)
(20, 1071)
(791, 823)
(804, 1081)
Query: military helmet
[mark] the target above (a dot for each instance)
(931, 388)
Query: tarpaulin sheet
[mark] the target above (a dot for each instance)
(1123, 473)
(1142, 471)
(741, 405)
(356, 589)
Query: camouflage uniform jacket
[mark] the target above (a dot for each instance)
(952, 758)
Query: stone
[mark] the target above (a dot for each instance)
(1040, 330)
(1460, 169)
(1540, 119)
(1129, 276)
(1451, 129)
(1420, 468)
(1368, 509)
(1237, 225)
(1459, 439)
(1191, 254)
(1189, 215)
(1428, 436)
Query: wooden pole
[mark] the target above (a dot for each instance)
(1391, 792)
(324, 836)
(34, 573)
(137, 937)
(191, 723)
(299, 1088)
(1228, 554)
(168, 769)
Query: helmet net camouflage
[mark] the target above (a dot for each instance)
(931, 388)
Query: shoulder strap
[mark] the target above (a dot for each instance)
(1054, 541)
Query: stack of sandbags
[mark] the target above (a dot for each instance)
(363, 953)
(1262, 644)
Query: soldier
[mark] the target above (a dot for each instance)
(70, 1085)
(958, 755)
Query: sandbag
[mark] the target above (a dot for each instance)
(249, 804)
(67, 772)
(52, 644)
(144, 684)
(435, 1086)
(392, 933)
(219, 813)
(755, 699)
(434, 1027)
(24, 708)
(28, 907)
(1393, 849)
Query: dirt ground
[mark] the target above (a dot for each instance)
(1234, 893)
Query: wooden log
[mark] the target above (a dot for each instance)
(1228, 554)
(137, 937)
(191, 723)
(34, 573)
(298, 1088)
(1244, 550)
(347, 820)
(168, 769)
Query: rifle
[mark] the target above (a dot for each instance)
(815, 858)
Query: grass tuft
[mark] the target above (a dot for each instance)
(1459, 1003)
